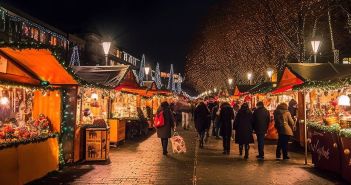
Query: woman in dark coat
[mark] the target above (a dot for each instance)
(202, 120)
(226, 117)
(164, 132)
(243, 129)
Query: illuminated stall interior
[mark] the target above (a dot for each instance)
(29, 111)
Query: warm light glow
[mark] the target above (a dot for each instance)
(249, 76)
(315, 45)
(270, 72)
(344, 100)
(4, 101)
(106, 46)
(94, 96)
(147, 70)
(230, 81)
(209, 91)
(215, 89)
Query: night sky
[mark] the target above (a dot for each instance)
(162, 29)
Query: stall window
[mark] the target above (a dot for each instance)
(53, 40)
(35, 34)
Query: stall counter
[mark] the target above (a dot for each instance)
(17, 162)
(118, 130)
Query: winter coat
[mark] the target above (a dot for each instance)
(225, 118)
(261, 119)
(166, 129)
(201, 117)
(243, 127)
(283, 121)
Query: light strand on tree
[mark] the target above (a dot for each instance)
(158, 76)
(142, 71)
(171, 84)
(75, 61)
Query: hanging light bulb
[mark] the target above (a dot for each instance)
(4, 100)
(94, 96)
(344, 100)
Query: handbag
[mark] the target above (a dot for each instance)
(159, 120)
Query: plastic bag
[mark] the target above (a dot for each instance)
(178, 143)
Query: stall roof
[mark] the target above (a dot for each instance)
(39, 64)
(261, 88)
(151, 85)
(109, 76)
(319, 71)
(299, 73)
(242, 89)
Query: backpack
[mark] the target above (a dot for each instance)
(159, 120)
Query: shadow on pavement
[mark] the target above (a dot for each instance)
(324, 174)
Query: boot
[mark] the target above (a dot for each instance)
(240, 150)
(247, 147)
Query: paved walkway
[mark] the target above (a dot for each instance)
(142, 162)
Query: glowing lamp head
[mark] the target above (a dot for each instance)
(315, 45)
(230, 81)
(270, 72)
(249, 76)
(106, 47)
(4, 101)
(344, 100)
(94, 96)
(215, 90)
(147, 70)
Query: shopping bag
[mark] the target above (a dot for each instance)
(178, 143)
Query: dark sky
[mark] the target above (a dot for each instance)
(162, 29)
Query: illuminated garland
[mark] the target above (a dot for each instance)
(323, 85)
(335, 128)
(345, 133)
(36, 139)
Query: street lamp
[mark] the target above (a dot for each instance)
(215, 90)
(249, 77)
(230, 82)
(270, 73)
(315, 46)
(106, 47)
(147, 70)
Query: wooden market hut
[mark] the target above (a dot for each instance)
(303, 74)
(40, 81)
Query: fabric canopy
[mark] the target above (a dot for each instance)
(242, 89)
(109, 76)
(39, 64)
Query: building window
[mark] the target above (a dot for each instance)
(346, 60)
(35, 34)
(53, 41)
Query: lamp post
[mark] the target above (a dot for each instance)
(230, 81)
(315, 46)
(106, 47)
(147, 70)
(249, 77)
(270, 73)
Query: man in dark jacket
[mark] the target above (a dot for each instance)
(261, 119)
(226, 118)
(202, 119)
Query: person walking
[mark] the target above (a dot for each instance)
(164, 132)
(261, 119)
(243, 129)
(284, 124)
(186, 113)
(202, 119)
(226, 118)
(215, 120)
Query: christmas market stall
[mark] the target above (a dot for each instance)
(33, 122)
(93, 112)
(241, 94)
(125, 107)
(327, 111)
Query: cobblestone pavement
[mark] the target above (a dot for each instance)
(142, 162)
